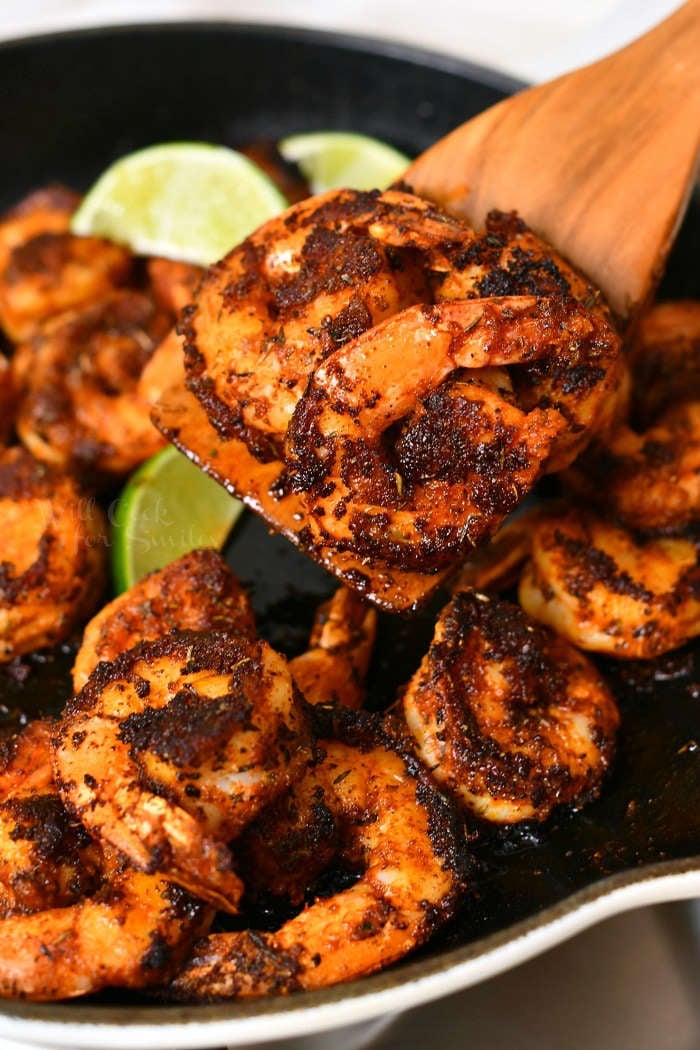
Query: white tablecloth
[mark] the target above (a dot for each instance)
(532, 40)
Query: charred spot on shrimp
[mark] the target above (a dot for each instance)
(330, 261)
(352, 320)
(609, 589)
(52, 567)
(594, 566)
(525, 274)
(188, 727)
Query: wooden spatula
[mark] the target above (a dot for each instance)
(600, 162)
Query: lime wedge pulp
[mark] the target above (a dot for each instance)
(334, 159)
(168, 507)
(184, 200)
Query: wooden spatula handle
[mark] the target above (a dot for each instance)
(600, 161)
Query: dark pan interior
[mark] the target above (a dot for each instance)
(73, 103)
(70, 104)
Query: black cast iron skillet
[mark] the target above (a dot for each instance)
(70, 104)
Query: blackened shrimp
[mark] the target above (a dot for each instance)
(80, 407)
(648, 481)
(380, 814)
(44, 269)
(508, 259)
(609, 591)
(52, 572)
(173, 283)
(132, 932)
(498, 565)
(333, 668)
(509, 718)
(404, 445)
(74, 918)
(332, 267)
(197, 592)
(646, 471)
(172, 748)
(46, 210)
(304, 284)
(665, 359)
(47, 859)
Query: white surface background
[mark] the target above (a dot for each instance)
(631, 983)
(532, 39)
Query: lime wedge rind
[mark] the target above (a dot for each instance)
(337, 159)
(168, 508)
(191, 201)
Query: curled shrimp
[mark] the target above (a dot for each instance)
(132, 933)
(388, 819)
(334, 666)
(171, 285)
(445, 479)
(305, 283)
(171, 749)
(326, 282)
(47, 859)
(79, 404)
(607, 590)
(665, 359)
(52, 571)
(648, 481)
(334, 266)
(45, 270)
(197, 592)
(76, 918)
(508, 259)
(46, 210)
(509, 718)
(645, 471)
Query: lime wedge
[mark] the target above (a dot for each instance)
(168, 507)
(333, 159)
(184, 200)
